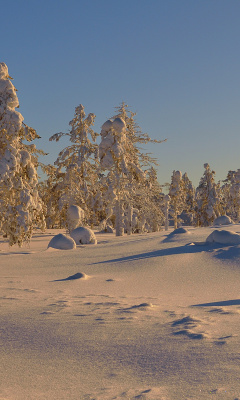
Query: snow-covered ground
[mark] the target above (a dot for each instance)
(151, 316)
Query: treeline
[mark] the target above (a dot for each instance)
(114, 182)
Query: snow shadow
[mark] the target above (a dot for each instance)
(235, 302)
(78, 275)
(186, 249)
(228, 253)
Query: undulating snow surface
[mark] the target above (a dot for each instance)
(149, 316)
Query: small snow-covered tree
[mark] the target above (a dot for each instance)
(207, 198)
(76, 171)
(177, 196)
(20, 206)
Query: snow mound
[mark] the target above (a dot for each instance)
(179, 230)
(62, 242)
(223, 237)
(223, 220)
(83, 235)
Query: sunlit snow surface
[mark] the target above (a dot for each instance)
(149, 316)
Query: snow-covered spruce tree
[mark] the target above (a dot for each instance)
(189, 200)
(76, 164)
(231, 194)
(177, 196)
(148, 199)
(207, 198)
(21, 208)
(120, 155)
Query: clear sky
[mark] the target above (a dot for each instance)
(175, 62)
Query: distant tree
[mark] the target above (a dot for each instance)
(189, 197)
(76, 173)
(21, 208)
(177, 197)
(207, 198)
(231, 194)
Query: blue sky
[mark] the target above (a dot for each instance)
(175, 62)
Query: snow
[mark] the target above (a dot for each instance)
(179, 230)
(3, 70)
(223, 237)
(137, 317)
(119, 125)
(106, 127)
(62, 242)
(75, 215)
(223, 220)
(83, 235)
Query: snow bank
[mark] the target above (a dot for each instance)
(223, 237)
(83, 235)
(223, 220)
(62, 242)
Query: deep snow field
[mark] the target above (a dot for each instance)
(151, 316)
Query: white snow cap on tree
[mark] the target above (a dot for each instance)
(3, 71)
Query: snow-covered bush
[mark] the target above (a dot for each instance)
(82, 235)
(21, 208)
(62, 242)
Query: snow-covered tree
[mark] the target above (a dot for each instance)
(189, 197)
(149, 201)
(120, 155)
(76, 171)
(231, 194)
(167, 200)
(21, 208)
(177, 196)
(207, 198)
